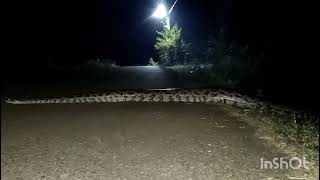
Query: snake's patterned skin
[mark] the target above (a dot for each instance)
(184, 96)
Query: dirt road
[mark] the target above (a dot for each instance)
(130, 141)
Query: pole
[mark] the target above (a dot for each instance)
(172, 6)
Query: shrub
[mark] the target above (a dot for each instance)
(152, 62)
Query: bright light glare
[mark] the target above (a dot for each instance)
(160, 12)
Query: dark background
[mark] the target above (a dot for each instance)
(70, 32)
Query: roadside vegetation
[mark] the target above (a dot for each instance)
(230, 62)
(297, 138)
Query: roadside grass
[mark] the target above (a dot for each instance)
(299, 139)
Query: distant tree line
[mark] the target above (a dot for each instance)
(232, 62)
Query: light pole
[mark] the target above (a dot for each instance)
(162, 13)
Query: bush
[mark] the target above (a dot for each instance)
(232, 62)
(152, 62)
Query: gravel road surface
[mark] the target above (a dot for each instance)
(130, 141)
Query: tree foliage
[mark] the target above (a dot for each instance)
(232, 62)
(170, 46)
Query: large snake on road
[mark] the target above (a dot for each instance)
(175, 95)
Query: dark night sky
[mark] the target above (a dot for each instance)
(121, 30)
(71, 31)
(68, 31)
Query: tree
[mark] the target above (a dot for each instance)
(218, 47)
(170, 45)
(183, 51)
(232, 62)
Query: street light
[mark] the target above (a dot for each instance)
(162, 13)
